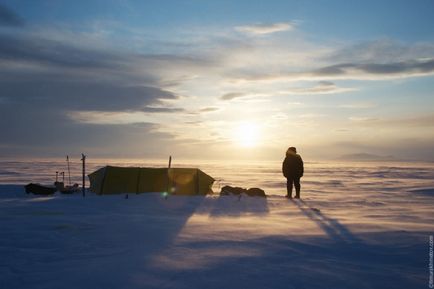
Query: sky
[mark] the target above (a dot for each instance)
(217, 79)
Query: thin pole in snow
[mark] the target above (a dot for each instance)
(197, 182)
(168, 177)
(83, 159)
(69, 171)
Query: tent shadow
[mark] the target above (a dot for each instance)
(160, 225)
(109, 232)
(237, 206)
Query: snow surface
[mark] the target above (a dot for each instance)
(357, 227)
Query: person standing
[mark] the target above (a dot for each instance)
(293, 170)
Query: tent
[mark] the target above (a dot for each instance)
(179, 181)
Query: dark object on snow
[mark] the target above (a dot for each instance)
(38, 189)
(256, 192)
(228, 190)
(134, 180)
(60, 186)
(70, 189)
(252, 192)
(293, 170)
(292, 166)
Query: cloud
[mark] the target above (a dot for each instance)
(349, 71)
(398, 122)
(72, 97)
(279, 116)
(195, 123)
(322, 87)
(377, 71)
(294, 103)
(380, 51)
(246, 97)
(45, 73)
(265, 28)
(232, 95)
(120, 116)
(80, 89)
(209, 109)
(28, 49)
(37, 52)
(154, 109)
(79, 94)
(375, 60)
(107, 117)
(9, 17)
(47, 132)
(312, 115)
(359, 105)
(364, 120)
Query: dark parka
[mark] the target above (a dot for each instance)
(292, 166)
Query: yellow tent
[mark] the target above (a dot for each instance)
(179, 181)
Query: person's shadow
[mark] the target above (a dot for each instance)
(330, 226)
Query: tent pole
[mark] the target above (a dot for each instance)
(197, 182)
(83, 159)
(69, 171)
(168, 177)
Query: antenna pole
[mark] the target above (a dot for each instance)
(69, 171)
(168, 178)
(83, 159)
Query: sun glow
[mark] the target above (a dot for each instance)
(247, 135)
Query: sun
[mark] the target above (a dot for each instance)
(247, 134)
